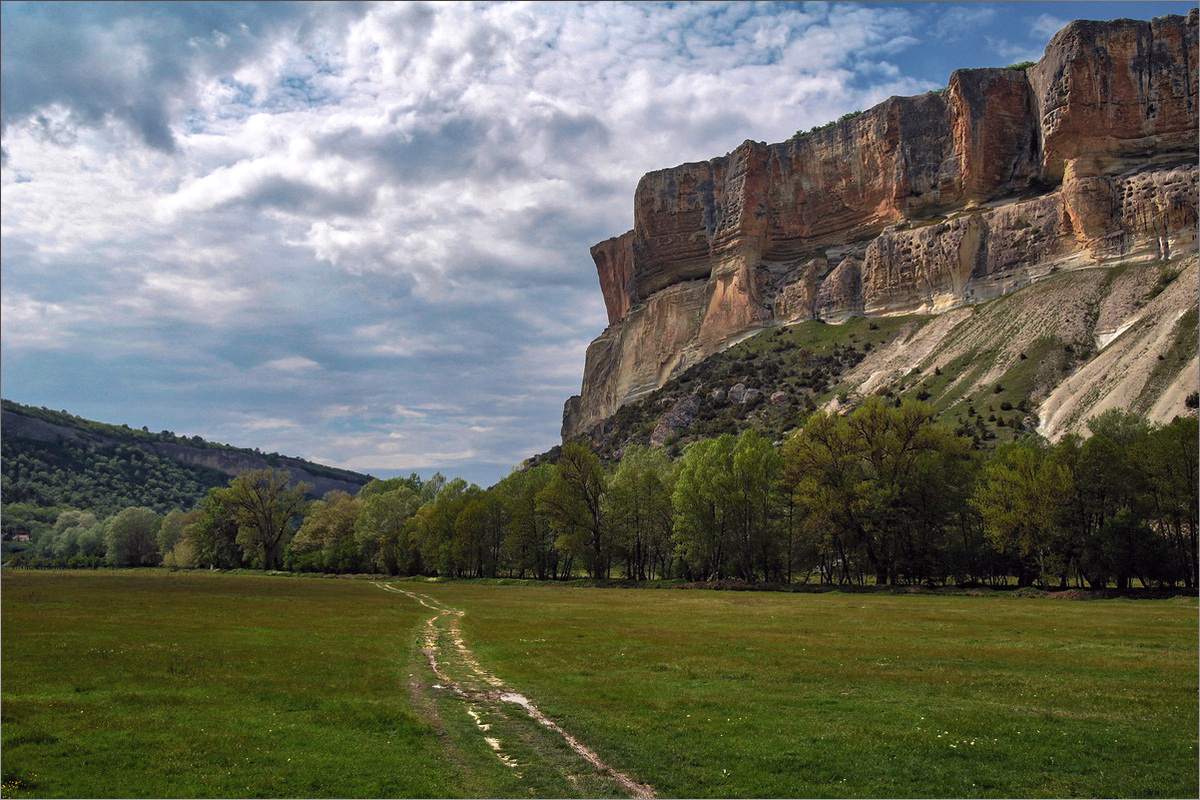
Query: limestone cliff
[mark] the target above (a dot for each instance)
(918, 205)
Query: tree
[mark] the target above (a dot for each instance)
(170, 533)
(827, 465)
(387, 506)
(264, 506)
(573, 499)
(1020, 496)
(432, 528)
(878, 489)
(479, 534)
(904, 454)
(638, 510)
(326, 538)
(529, 539)
(73, 518)
(131, 538)
(701, 504)
(212, 539)
(1168, 457)
(755, 467)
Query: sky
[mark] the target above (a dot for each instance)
(358, 232)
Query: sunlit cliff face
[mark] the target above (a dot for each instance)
(918, 205)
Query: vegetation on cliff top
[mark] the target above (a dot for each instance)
(843, 118)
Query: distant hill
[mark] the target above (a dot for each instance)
(53, 459)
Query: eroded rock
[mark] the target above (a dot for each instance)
(920, 204)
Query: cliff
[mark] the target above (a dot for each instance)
(918, 205)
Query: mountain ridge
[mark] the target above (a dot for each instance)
(46, 427)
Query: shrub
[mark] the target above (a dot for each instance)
(830, 124)
(1165, 279)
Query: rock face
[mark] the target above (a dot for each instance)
(920, 204)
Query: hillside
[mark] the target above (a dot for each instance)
(1027, 361)
(932, 209)
(52, 459)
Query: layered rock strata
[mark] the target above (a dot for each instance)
(920, 204)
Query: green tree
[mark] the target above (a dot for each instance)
(1169, 458)
(264, 507)
(131, 538)
(1021, 494)
(212, 539)
(755, 469)
(878, 489)
(73, 518)
(326, 539)
(479, 534)
(703, 517)
(379, 531)
(529, 538)
(825, 468)
(638, 510)
(573, 499)
(170, 533)
(905, 455)
(432, 528)
(92, 546)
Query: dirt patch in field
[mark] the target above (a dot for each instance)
(1070, 594)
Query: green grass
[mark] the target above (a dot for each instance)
(821, 337)
(150, 683)
(714, 694)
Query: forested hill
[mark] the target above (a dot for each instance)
(53, 459)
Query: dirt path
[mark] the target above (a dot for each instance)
(443, 644)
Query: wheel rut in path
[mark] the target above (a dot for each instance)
(443, 644)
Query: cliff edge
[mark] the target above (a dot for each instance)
(918, 205)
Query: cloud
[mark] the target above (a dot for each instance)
(142, 64)
(1045, 26)
(291, 364)
(965, 21)
(30, 323)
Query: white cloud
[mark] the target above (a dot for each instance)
(291, 364)
(29, 323)
(266, 424)
(1045, 26)
(194, 294)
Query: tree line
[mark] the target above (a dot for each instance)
(883, 495)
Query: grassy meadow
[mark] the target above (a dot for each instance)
(728, 694)
(157, 684)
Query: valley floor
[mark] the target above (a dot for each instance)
(132, 683)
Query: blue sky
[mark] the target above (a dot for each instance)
(358, 232)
